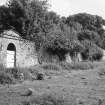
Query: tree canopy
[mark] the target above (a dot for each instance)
(34, 22)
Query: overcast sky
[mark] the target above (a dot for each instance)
(69, 7)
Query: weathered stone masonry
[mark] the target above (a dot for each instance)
(25, 54)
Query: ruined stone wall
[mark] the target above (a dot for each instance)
(26, 55)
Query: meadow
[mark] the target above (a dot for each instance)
(80, 83)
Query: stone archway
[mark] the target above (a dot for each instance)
(11, 55)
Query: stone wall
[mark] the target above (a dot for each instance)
(26, 55)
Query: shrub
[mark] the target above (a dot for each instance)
(9, 75)
(6, 78)
(40, 76)
(25, 73)
(14, 72)
(19, 73)
(51, 66)
(32, 73)
(97, 56)
(91, 52)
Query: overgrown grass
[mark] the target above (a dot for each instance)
(81, 65)
(6, 78)
(76, 66)
(101, 71)
(18, 73)
(38, 72)
(25, 74)
(2, 67)
(14, 72)
(47, 99)
(13, 75)
(9, 75)
(51, 66)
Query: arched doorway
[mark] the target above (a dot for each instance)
(11, 55)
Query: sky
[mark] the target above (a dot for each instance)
(70, 7)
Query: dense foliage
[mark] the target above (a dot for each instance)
(56, 34)
(90, 33)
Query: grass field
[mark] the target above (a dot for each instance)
(73, 87)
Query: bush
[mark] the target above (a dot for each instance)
(14, 72)
(26, 73)
(40, 76)
(6, 78)
(91, 52)
(10, 75)
(51, 66)
(19, 73)
(97, 56)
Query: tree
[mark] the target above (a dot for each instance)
(32, 19)
(30, 14)
(91, 51)
(89, 35)
(48, 23)
(89, 27)
(61, 40)
(5, 18)
(88, 21)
